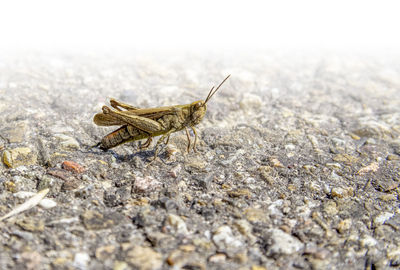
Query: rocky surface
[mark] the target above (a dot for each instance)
(297, 164)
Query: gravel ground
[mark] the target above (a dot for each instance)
(297, 164)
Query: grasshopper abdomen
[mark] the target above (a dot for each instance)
(120, 136)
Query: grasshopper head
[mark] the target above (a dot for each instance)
(198, 108)
(197, 111)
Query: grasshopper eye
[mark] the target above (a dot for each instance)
(198, 105)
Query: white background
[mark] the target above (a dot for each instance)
(199, 25)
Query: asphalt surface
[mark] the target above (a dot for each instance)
(297, 164)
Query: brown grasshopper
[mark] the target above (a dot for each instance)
(138, 124)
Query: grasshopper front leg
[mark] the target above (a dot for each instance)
(188, 137)
(147, 143)
(161, 140)
(195, 139)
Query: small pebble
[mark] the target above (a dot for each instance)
(392, 157)
(217, 258)
(333, 165)
(72, 166)
(47, 203)
(177, 258)
(81, 260)
(243, 226)
(388, 197)
(341, 192)
(187, 248)
(145, 184)
(290, 147)
(344, 225)
(144, 258)
(24, 194)
(31, 225)
(224, 239)
(256, 215)
(373, 167)
(265, 173)
(275, 162)
(368, 241)
(345, 158)
(354, 136)
(67, 142)
(382, 218)
(175, 171)
(104, 252)
(282, 243)
(331, 208)
(177, 224)
(250, 102)
(119, 265)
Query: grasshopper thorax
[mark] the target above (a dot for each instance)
(197, 111)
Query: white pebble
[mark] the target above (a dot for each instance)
(223, 238)
(81, 260)
(283, 243)
(24, 194)
(177, 224)
(47, 203)
(382, 218)
(368, 241)
(67, 141)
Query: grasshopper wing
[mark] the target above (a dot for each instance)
(102, 119)
(153, 113)
(130, 118)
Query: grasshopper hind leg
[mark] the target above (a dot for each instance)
(116, 104)
(167, 140)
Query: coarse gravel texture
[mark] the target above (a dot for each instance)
(297, 164)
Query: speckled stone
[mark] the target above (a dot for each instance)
(144, 258)
(67, 142)
(224, 239)
(282, 243)
(19, 156)
(31, 225)
(177, 225)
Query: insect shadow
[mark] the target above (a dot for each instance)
(144, 155)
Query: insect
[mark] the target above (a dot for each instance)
(146, 123)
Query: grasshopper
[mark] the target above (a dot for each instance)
(146, 123)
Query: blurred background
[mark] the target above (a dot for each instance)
(175, 25)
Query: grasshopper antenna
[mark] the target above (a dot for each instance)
(213, 92)
(208, 96)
